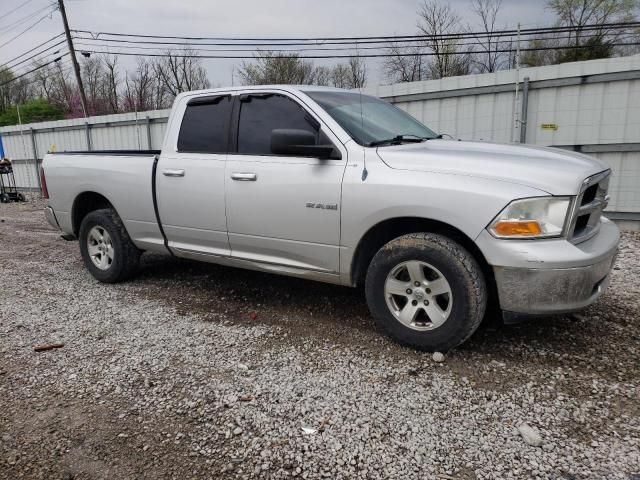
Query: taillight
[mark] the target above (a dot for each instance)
(43, 184)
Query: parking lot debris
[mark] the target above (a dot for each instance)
(438, 357)
(47, 347)
(530, 435)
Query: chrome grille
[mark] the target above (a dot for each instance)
(588, 207)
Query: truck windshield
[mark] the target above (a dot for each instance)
(369, 120)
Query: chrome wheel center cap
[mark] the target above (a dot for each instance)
(418, 294)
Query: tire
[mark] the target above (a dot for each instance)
(4, 198)
(21, 197)
(435, 315)
(110, 257)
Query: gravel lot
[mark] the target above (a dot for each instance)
(200, 371)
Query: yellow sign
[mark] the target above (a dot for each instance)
(549, 126)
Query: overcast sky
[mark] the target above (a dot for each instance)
(254, 18)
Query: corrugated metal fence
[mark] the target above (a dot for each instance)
(592, 107)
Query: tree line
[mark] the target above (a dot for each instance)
(50, 92)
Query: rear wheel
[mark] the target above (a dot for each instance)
(426, 291)
(107, 251)
(21, 197)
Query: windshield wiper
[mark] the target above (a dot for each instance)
(398, 139)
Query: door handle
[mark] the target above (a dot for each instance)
(170, 172)
(244, 177)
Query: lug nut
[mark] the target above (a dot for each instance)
(414, 303)
(417, 284)
(428, 290)
(409, 291)
(426, 302)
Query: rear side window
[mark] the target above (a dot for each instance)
(204, 125)
(260, 114)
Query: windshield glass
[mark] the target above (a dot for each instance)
(368, 119)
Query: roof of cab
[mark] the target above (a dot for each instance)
(286, 88)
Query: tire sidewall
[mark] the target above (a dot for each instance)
(103, 219)
(461, 318)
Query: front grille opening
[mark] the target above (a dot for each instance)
(581, 225)
(589, 195)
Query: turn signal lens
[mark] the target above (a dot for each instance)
(517, 229)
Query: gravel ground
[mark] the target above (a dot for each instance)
(199, 371)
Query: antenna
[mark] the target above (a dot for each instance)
(365, 172)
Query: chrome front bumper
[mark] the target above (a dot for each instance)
(551, 276)
(51, 217)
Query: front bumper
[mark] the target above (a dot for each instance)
(553, 276)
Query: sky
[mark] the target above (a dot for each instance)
(252, 18)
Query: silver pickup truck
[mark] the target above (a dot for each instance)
(330, 185)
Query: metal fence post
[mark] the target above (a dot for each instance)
(149, 133)
(34, 146)
(524, 111)
(87, 130)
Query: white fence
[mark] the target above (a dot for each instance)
(592, 107)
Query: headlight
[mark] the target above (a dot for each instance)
(539, 217)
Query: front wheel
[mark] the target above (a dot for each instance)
(426, 291)
(107, 251)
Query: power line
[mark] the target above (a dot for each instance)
(366, 40)
(65, 68)
(25, 30)
(381, 39)
(17, 8)
(310, 49)
(25, 19)
(36, 55)
(31, 50)
(366, 55)
(57, 59)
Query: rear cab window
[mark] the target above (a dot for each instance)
(205, 125)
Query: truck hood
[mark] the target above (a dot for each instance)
(555, 171)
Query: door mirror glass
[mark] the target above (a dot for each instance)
(302, 143)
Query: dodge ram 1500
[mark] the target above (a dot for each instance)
(339, 187)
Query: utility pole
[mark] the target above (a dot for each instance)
(516, 118)
(72, 52)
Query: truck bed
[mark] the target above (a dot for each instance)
(124, 177)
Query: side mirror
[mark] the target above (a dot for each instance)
(300, 143)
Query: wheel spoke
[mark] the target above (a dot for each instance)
(436, 314)
(408, 313)
(415, 272)
(396, 287)
(93, 250)
(438, 287)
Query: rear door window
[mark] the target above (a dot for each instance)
(205, 125)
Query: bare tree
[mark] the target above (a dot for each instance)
(438, 20)
(111, 83)
(181, 73)
(277, 68)
(357, 69)
(405, 64)
(139, 87)
(600, 40)
(489, 58)
(323, 76)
